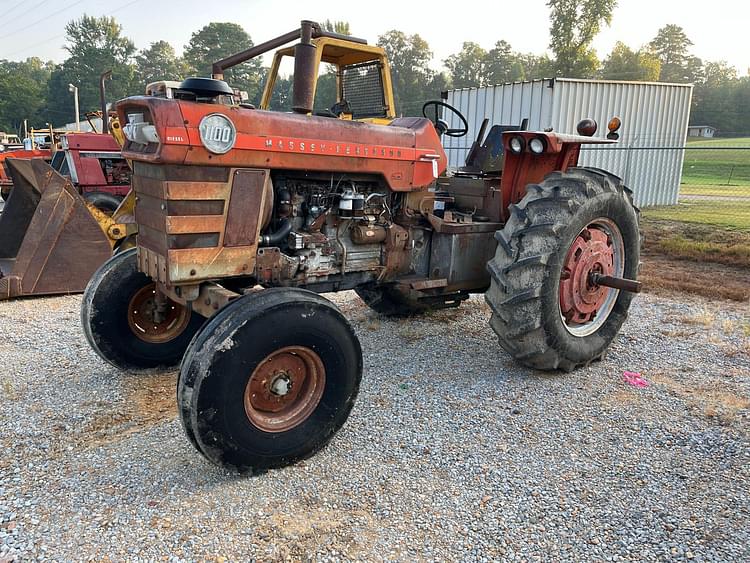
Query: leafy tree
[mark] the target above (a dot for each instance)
(216, 41)
(625, 64)
(409, 57)
(439, 83)
(95, 46)
(24, 86)
(503, 65)
(159, 62)
(325, 90)
(671, 46)
(281, 98)
(467, 67)
(717, 74)
(536, 67)
(341, 27)
(574, 24)
(720, 99)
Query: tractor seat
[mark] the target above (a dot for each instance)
(485, 158)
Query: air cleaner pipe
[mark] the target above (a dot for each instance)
(276, 237)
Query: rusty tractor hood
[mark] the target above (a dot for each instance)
(407, 153)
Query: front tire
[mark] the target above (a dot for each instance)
(269, 379)
(544, 311)
(117, 318)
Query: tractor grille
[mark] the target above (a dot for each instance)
(362, 87)
(196, 222)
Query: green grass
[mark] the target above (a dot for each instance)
(731, 214)
(695, 241)
(717, 172)
(743, 142)
(715, 190)
(702, 251)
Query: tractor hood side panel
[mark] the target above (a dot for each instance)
(407, 154)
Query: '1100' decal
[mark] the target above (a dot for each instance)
(220, 133)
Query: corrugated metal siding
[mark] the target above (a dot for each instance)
(654, 116)
(504, 104)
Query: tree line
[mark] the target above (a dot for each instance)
(38, 90)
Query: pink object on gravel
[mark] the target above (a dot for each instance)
(634, 379)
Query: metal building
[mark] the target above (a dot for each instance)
(654, 116)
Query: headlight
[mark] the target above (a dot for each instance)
(217, 133)
(537, 145)
(516, 144)
(137, 131)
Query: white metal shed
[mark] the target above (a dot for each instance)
(654, 115)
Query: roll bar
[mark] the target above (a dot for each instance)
(308, 30)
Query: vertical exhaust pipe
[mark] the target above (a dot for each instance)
(303, 89)
(103, 100)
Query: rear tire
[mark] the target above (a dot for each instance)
(527, 270)
(112, 315)
(228, 403)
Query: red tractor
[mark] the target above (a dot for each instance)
(246, 216)
(95, 165)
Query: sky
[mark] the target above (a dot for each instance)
(718, 29)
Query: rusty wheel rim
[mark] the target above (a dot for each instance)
(284, 389)
(598, 248)
(142, 320)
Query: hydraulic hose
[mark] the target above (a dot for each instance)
(276, 237)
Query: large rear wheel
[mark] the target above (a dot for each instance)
(269, 379)
(547, 309)
(128, 324)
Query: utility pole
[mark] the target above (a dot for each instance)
(74, 89)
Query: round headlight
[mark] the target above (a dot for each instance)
(516, 144)
(536, 145)
(217, 133)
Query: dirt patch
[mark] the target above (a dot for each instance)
(714, 281)
(715, 400)
(620, 398)
(698, 259)
(296, 534)
(148, 400)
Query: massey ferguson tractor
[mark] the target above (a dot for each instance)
(246, 216)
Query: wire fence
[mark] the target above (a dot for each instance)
(705, 181)
(715, 185)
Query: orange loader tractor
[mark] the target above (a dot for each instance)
(247, 216)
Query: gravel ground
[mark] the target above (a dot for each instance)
(451, 453)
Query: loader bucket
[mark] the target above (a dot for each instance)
(49, 241)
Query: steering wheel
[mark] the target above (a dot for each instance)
(441, 125)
